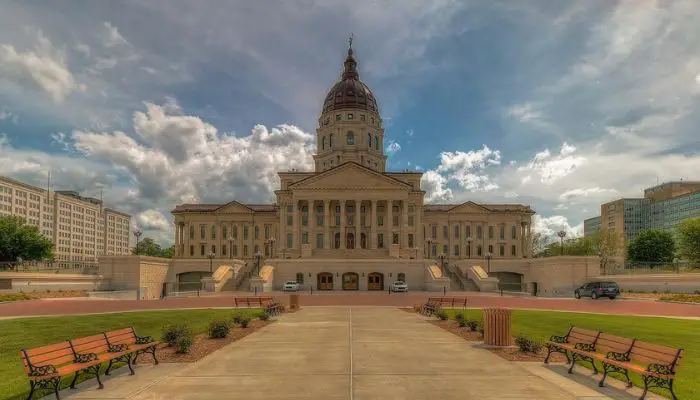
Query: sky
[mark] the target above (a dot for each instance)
(559, 105)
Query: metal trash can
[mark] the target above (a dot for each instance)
(497, 322)
(293, 301)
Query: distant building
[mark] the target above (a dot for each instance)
(662, 207)
(80, 228)
(591, 225)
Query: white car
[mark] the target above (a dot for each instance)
(291, 286)
(399, 286)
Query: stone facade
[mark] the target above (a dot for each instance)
(350, 208)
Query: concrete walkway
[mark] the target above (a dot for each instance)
(356, 353)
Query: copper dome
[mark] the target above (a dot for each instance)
(350, 91)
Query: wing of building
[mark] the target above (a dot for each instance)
(350, 216)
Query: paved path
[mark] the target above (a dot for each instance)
(349, 353)
(605, 306)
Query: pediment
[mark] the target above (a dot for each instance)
(234, 207)
(350, 176)
(469, 208)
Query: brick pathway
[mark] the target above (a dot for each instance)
(628, 307)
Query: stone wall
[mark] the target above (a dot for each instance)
(41, 281)
(661, 283)
(141, 273)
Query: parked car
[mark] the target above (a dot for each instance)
(399, 286)
(595, 290)
(291, 286)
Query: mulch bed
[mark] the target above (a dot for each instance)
(202, 345)
(56, 294)
(510, 354)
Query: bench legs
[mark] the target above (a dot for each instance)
(608, 368)
(150, 350)
(580, 357)
(53, 384)
(95, 370)
(653, 381)
(125, 358)
(555, 349)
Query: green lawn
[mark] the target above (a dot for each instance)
(16, 334)
(540, 325)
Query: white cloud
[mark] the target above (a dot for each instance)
(525, 112)
(549, 226)
(392, 147)
(111, 36)
(44, 67)
(468, 170)
(435, 186)
(410, 132)
(152, 220)
(553, 168)
(7, 115)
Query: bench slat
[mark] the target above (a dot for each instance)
(48, 348)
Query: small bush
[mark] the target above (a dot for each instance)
(442, 315)
(219, 329)
(459, 317)
(479, 327)
(184, 343)
(472, 324)
(244, 321)
(264, 317)
(172, 333)
(527, 345)
(237, 318)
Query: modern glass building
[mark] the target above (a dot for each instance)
(591, 225)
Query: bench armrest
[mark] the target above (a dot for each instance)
(118, 348)
(143, 339)
(661, 369)
(613, 355)
(85, 357)
(557, 339)
(43, 370)
(590, 347)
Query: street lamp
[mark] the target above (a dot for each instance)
(442, 258)
(137, 234)
(270, 242)
(488, 262)
(562, 235)
(600, 257)
(469, 247)
(429, 242)
(257, 258)
(211, 256)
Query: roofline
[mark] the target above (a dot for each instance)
(118, 212)
(408, 185)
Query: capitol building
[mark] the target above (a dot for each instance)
(350, 224)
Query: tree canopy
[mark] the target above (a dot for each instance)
(688, 236)
(148, 247)
(20, 240)
(652, 246)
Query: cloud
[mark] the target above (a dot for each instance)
(153, 220)
(43, 68)
(111, 36)
(7, 115)
(392, 147)
(549, 226)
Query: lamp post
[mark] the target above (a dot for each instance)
(137, 234)
(270, 242)
(429, 242)
(600, 258)
(562, 235)
(211, 256)
(675, 263)
(442, 257)
(257, 258)
(469, 247)
(488, 262)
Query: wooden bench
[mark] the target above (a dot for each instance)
(270, 305)
(656, 364)
(46, 365)
(430, 307)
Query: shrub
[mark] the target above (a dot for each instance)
(237, 318)
(219, 329)
(172, 333)
(527, 345)
(184, 343)
(442, 315)
(459, 317)
(264, 316)
(479, 327)
(472, 324)
(244, 321)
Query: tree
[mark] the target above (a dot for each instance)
(20, 240)
(652, 246)
(536, 243)
(688, 236)
(607, 244)
(149, 247)
(168, 252)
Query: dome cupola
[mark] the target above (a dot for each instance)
(350, 91)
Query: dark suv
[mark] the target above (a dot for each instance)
(595, 290)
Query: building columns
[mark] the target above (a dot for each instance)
(404, 224)
(283, 227)
(295, 225)
(326, 225)
(373, 224)
(389, 239)
(310, 224)
(358, 224)
(343, 234)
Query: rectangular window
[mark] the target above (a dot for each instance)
(290, 209)
(290, 220)
(319, 220)
(201, 250)
(456, 231)
(337, 117)
(350, 116)
(468, 232)
(337, 209)
(224, 232)
(362, 117)
(445, 250)
(395, 238)
(351, 220)
(290, 240)
(234, 232)
(410, 240)
(305, 220)
(513, 232)
(445, 232)
(395, 220)
(363, 220)
(433, 231)
(380, 220)
(319, 240)
(513, 251)
(305, 238)
(256, 231)
(267, 231)
(245, 232)
(234, 250)
(380, 240)
(300, 278)
(191, 250)
(502, 250)
(410, 220)
(245, 250)
(203, 232)
(456, 249)
(502, 232)
(223, 249)
(490, 231)
(491, 249)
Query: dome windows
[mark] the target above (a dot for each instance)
(323, 144)
(369, 140)
(350, 116)
(350, 137)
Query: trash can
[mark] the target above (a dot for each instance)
(293, 301)
(497, 323)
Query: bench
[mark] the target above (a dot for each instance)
(270, 305)
(655, 364)
(434, 304)
(430, 307)
(46, 365)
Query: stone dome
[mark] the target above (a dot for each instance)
(350, 91)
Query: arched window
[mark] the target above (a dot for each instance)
(213, 231)
(257, 232)
(323, 143)
(376, 142)
(401, 277)
(513, 232)
(234, 232)
(300, 278)
(369, 140)
(350, 138)
(330, 140)
(224, 232)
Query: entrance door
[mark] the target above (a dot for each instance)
(375, 281)
(350, 241)
(337, 240)
(324, 281)
(350, 281)
(363, 241)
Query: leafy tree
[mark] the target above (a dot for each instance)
(536, 243)
(149, 247)
(688, 235)
(653, 246)
(168, 252)
(20, 240)
(607, 244)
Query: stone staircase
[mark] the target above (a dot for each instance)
(458, 280)
(350, 253)
(238, 282)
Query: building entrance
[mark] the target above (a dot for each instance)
(375, 281)
(351, 281)
(324, 281)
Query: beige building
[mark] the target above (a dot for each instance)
(349, 216)
(80, 228)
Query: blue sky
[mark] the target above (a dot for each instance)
(560, 105)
